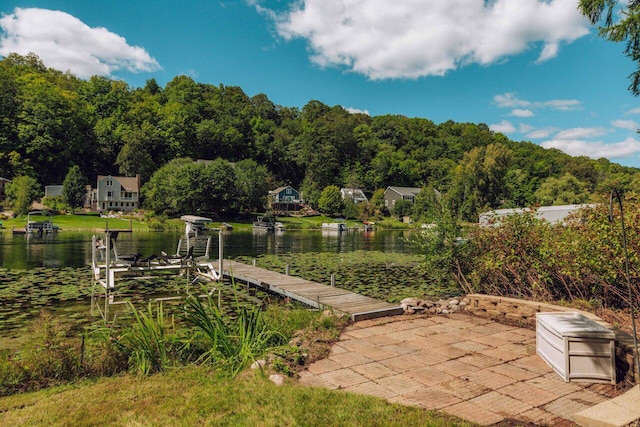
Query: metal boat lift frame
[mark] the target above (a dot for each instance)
(107, 272)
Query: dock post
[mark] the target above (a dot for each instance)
(286, 269)
(333, 279)
(107, 275)
(220, 254)
(254, 262)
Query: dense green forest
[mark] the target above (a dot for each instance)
(51, 121)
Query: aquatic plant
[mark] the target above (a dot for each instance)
(385, 276)
(149, 342)
(230, 344)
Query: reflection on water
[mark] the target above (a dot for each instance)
(67, 291)
(73, 249)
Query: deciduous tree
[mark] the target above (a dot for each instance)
(619, 24)
(74, 189)
(330, 201)
(22, 191)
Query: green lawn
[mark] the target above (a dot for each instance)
(194, 396)
(94, 221)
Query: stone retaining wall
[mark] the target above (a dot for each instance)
(523, 312)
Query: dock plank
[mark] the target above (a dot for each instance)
(358, 307)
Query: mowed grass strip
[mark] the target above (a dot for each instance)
(194, 396)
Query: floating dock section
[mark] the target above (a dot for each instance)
(317, 295)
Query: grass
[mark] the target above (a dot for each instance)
(193, 396)
(93, 221)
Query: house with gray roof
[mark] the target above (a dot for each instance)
(116, 193)
(354, 194)
(285, 198)
(393, 194)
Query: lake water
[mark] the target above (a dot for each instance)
(73, 249)
(59, 279)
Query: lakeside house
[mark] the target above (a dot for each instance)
(53, 190)
(117, 193)
(552, 214)
(354, 194)
(285, 198)
(393, 194)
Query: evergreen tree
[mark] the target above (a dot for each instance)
(74, 191)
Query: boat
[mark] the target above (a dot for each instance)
(334, 226)
(226, 226)
(264, 223)
(40, 222)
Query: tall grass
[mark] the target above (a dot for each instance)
(149, 342)
(49, 357)
(230, 344)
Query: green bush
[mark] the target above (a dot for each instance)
(582, 259)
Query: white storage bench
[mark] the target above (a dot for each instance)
(576, 347)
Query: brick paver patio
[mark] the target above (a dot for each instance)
(473, 368)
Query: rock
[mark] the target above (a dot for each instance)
(426, 303)
(462, 304)
(445, 311)
(466, 301)
(258, 364)
(410, 301)
(454, 302)
(277, 379)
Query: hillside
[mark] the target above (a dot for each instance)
(51, 120)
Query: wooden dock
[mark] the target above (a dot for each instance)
(358, 307)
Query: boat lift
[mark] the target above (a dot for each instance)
(191, 257)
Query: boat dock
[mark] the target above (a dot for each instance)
(317, 295)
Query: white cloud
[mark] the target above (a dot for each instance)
(563, 104)
(541, 133)
(634, 111)
(625, 124)
(511, 100)
(504, 127)
(522, 113)
(596, 150)
(65, 43)
(410, 39)
(357, 111)
(524, 128)
(580, 133)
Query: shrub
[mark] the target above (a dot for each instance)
(582, 259)
(48, 358)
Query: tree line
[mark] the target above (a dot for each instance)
(51, 121)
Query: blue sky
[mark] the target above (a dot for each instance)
(531, 69)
